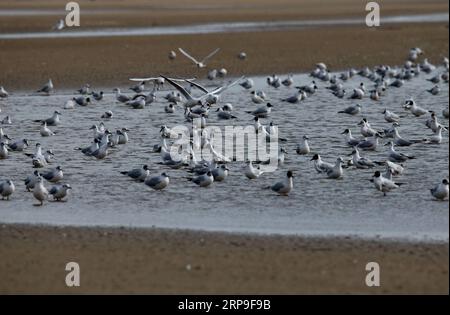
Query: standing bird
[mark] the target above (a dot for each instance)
(39, 191)
(59, 192)
(383, 184)
(54, 175)
(3, 92)
(7, 188)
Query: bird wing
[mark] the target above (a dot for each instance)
(143, 79)
(188, 56)
(200, 87)
(181, 89)
(224, 88)
(210, 55)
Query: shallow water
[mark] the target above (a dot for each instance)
(317, 206)
(220, 27)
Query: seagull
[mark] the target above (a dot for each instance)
(258, 97)
(435, 90)
(59, 192)
(349, 139)
(39, 191)
(252, 172)
(320, 165)
(54, 175)
(242, 55)
(361, 162)
(52, 121)
(97, 96)
(172, 55)
(7, 121)
(395, 169)
(3, 151)
(31, 180)
(45, 131)
(90, 149)
(120, 97)
(390, 117)
(383, 184)
(398, 140)
(394, 156)
(303, 147)
(247, 84)
(107, 115)
(203, 180)
(170, 109)
(3, 92)
(222, 114)
(300, 95)
(138, 103)
(85, 89)
(288, 81)
(437, 137)
(7, 188)
(202, 63)
(158, 182)
(59, 25)
(139, 174)
(352, 110)
(220, 173)
(440, 191)
(416, 110)
(284, 187)
(262, 112)
(81, 100)
(433, 123)
(366, 129)
(47, 88)
(138, 88)
(211, 97)
(336, 171)
(19, 145)
(70, 104)
(310, 89)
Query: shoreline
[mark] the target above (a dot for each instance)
(109, 62)
(168, 261)
(427, 240)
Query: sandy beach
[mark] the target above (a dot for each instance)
(122, 260)
(107, 62)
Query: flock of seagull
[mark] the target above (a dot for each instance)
(197, 110)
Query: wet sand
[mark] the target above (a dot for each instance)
(121, 260)
(111, 61)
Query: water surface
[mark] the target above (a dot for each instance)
(317, 206)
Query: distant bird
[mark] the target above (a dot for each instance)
(7, 120)
(97, 96)
(59, 25)
(172, 55)
(390, 117)
(19, 145)
(47, 88)
(3, 92)
(242, 55)
(202, 63)
(435, 90)
(321, 166)
(85, 89)
(261, 112)
(247, 84)
(416, 110)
